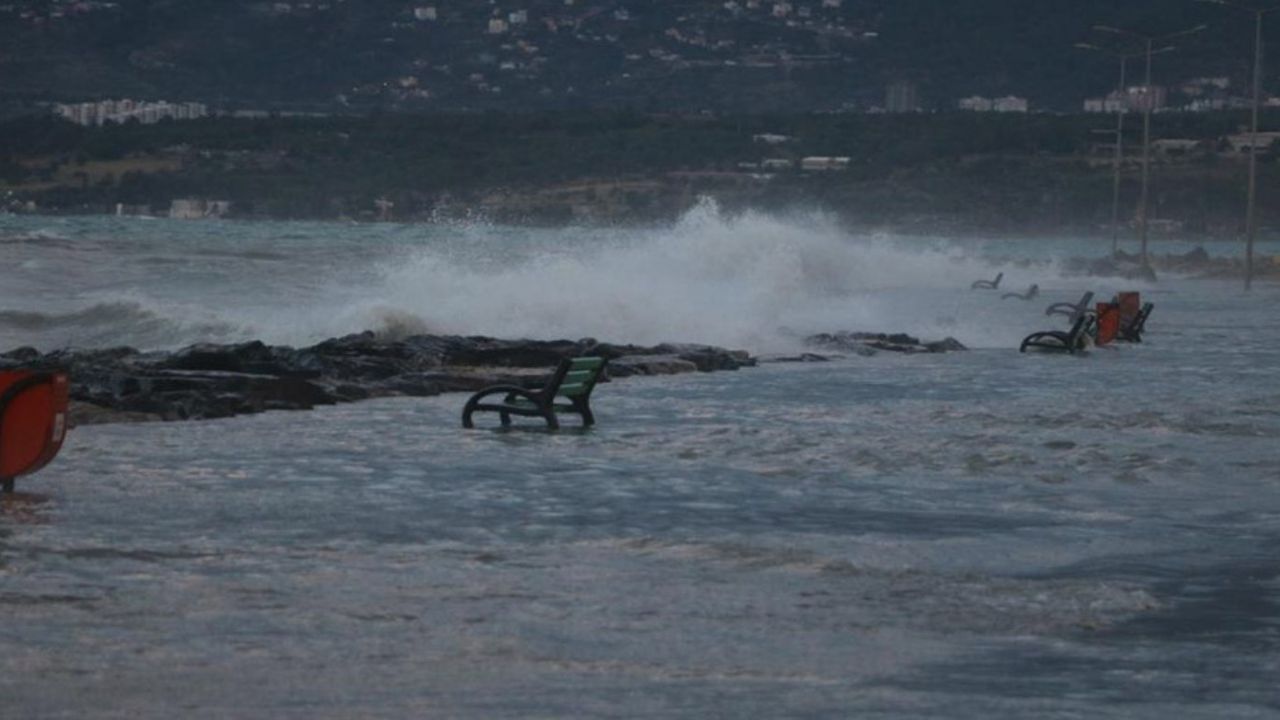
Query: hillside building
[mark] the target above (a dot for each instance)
(824, 164)
(196, 209)
(121, 111)
(1242, 142)
(1114, 102)
(1010, 103)
(902, 97)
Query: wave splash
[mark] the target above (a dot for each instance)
(750, 280)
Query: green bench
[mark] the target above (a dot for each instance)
(568, 390)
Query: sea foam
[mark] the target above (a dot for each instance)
(752, 280)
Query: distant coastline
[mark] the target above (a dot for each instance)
(955, 173)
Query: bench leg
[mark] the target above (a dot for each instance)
(552, 421)
(506, 419)
(6, 485)
(588, 419)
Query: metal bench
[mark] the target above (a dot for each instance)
(987, 284)
(1073, 311)
(1132, 331)
(33, 421)
(1030, 294)
(568, 390)
(1072, 340)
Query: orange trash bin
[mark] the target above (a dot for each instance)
(1108, 323)
(33, 421)
(1130, 305)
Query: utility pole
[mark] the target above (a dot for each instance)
(1148, 103)
(1119, 135)
(1119, 159)
(1251, 208)
(1148, 100)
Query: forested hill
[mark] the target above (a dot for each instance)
(674, 55)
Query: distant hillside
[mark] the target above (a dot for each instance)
(984, 172)
(678, 55)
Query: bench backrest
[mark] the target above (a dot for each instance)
(1082, 326)
(993, 284)
(1073, 311)
(576, 377)
(1082, 307)
(1132, 330)
(1141, 320)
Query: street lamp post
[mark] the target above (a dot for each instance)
(1148, 100)
(1251, 215)
(1147, 105)
(1119, 150)
(1119, 135)
(1118, 161)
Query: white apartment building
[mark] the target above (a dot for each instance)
(121, 111)
(1009, 103)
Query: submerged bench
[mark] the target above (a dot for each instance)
(987, 284)
(1030, 294)
(33, 421)
(1070, 341)
(1073, 311)
(568, 390)
(1132, 331)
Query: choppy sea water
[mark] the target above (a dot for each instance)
(982, 534)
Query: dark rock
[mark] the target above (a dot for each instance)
(350, 393)
(843, 342)
(801, 358)
(863, 343)
(19, 356)
(194, 394)
(247, 357)
(705, 358)
(651, 365)
(211, 381)
(482, 351)
(947, 344)
(1198, 256)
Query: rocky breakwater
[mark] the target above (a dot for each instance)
(213, 381)
(867, 344)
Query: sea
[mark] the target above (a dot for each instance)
(980, 534)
